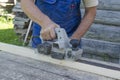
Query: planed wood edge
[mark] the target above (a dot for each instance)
(30, 53)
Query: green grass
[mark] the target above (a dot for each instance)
(7, 34)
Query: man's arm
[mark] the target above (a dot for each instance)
(37, 16)
(33, 12)
(86, 22)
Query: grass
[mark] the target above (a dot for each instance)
(7, 34)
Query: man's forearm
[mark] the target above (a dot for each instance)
(86, 22)
(48, 26)
(34, 13)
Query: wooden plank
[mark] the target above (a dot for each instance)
(21, 68)
(17, 5)
(100, 47)
(107, 17)
(109, 4)
(104, 32)
(19, 22)
(21, 31)
(19, 27)
(17, 10)
(26, 52)
(20, 14)
(113, 5)
(21, 19)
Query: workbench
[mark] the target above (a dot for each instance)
(17, 67)
(14, 67)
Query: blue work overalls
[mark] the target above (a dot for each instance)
(65, 13)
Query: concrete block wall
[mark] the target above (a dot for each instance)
(102, 41)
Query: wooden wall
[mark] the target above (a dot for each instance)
(103, 38)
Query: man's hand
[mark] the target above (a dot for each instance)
(48, 32)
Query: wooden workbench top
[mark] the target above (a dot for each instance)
(14, 67)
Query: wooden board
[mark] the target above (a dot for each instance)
(104, 32)
(101, 47)
(107, 17)
(13, 67)
(108, 5)
(26, 52)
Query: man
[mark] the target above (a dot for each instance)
(50, 14)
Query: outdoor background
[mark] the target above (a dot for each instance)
(7, 33)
